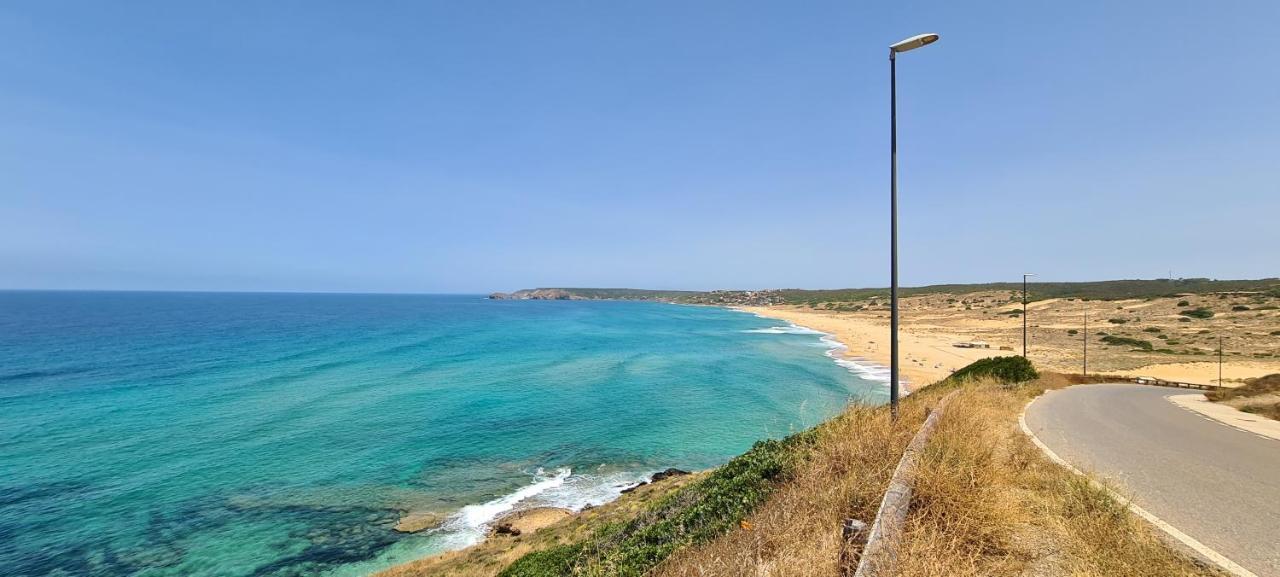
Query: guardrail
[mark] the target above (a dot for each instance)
(1175, 384)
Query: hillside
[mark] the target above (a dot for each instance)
(1100, 290)
(987, 503)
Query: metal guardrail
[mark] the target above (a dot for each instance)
(1175, 384)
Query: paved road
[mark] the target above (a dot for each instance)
(1215, 483)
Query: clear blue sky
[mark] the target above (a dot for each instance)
(475, 146)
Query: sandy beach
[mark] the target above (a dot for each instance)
(928, 354)
(933, 324)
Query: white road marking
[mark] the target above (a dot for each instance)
(1204, 550)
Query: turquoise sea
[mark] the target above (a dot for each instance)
(221, 434)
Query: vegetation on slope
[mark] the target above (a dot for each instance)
(987, 502)
(1101, 290)
(1013, 369)
(690, 516)
(1260, 396)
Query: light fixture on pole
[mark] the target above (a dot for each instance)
(1024, 313)
(903, 46)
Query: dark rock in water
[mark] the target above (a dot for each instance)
(506, 529)
(672, 472)
(635, 486)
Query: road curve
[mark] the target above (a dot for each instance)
(1218, 484)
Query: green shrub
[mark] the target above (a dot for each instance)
(1072, 332)
(1005, 369)
(1184, 304)
(1013, 313)
(1275, 333)
(1151, 330)
(553, 562)
(1238, 308)
(1126, 341)
(1117, 321)
(1184, 320)
(1197, 313)
(691, 515)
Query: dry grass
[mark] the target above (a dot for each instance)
(1260, 396)
(987, 502)
(797, 532)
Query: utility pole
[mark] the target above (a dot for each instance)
(1220, 360)
(1024, 313)
(1086, 340)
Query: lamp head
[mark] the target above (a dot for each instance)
(914, 42)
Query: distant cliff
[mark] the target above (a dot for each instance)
(765, 297)
(542, 294)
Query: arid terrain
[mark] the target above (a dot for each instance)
(1165, 337)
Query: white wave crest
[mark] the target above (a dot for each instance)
(787, 330)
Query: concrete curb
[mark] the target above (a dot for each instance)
(1200, 548)
(1230, 416)
(878, 555)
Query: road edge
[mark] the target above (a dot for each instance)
(1227, 415)
(1199, 548)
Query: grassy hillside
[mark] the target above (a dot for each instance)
(987, 503)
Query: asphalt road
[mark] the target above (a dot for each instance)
(1213, 482)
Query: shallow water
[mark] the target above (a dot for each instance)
(223, 434)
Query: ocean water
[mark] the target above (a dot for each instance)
(207, 434)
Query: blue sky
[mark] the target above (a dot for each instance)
(477, 146)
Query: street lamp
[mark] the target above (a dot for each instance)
(903, 46)
(1024, 313)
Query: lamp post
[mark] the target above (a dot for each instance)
(1086, 340)
(903, 46)
(1024, 313)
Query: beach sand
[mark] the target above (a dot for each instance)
(932, 325)
(928, 354)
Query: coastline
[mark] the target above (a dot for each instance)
(927, 357)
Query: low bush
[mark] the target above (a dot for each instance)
(1184, 304)
(1239, 308)
(1072, 332)
(1003, 369)
(1197, 313)
(1151, 330)
(1127, 342)
(1117, 321)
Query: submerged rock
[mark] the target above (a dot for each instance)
(419, 521)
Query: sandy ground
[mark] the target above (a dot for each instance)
(1207, 372)
(928, 355)
(932, 324)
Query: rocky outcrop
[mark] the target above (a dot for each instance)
(660, 475)
(419, 521)
(672, 472)
(507, 529)
(537, 295)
